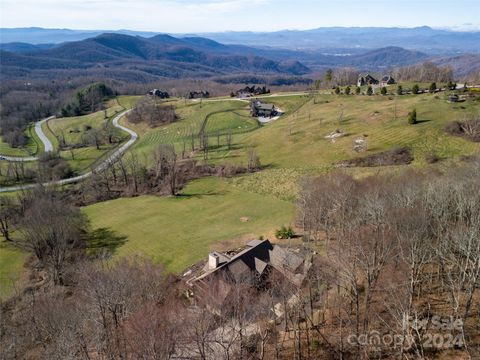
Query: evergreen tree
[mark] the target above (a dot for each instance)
(369, 91)
(415, 89)
(329, 75)
(383, 91)
(399, 90)
(433, 87)
(358, 90)
(337, 90)
(347, 90)
(412, 117)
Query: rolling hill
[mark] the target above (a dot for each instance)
(161, 55)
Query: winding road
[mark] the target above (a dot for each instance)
(48, 145)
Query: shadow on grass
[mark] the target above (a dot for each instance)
(423, 121)
(104, 241)
(198, 195)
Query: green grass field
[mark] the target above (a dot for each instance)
(75, 129)
(221, 116)
(11, 266)
(298, 140)
(179, 231)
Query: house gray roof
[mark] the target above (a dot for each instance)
(255, 259)
(262, 106)
(284, 259)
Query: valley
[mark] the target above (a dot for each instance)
(242, 194)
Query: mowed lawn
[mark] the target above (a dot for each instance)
(179, 231)
(297, 140)
(223, 116)
(11, 267)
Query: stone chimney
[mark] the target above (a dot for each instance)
(213, 261)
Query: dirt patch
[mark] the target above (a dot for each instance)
(244, 219)
(468, 129)
(396, 156)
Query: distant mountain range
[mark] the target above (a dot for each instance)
(137, 58)
(161, 56)
(425, 39)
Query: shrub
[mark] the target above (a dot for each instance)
(399, 90)
(358, 90)
(468, 129)
(383, 91)
(337, 90)
(284, 232)
(415, 89)
(451, 86)
(432, 88)
(347, 90)
(412, 117)
(369, 91)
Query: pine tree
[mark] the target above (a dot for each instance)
(383, 91)
(412, 117)
(399, 90)
(415, 89)
(337, 90)
(358, 90)
(433, 87)
(347, 90)
(369, 91)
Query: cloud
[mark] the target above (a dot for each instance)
(199, 16)
(225, 6)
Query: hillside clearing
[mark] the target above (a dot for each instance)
(178, 231)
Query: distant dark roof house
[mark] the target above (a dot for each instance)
(159, 93)
(367, 80)
(249, 91)
(387, 80)
(249, 268)
(198, 94)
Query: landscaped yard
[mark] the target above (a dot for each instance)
(179, 231)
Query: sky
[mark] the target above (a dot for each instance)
(184, 16)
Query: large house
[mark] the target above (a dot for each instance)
(387, 80)
(249, 91)
(159, 93)
(250, 268)
(198, 95)
(260, 109)
(366, 80)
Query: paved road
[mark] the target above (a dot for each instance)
(111, 159)
(47, 144)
